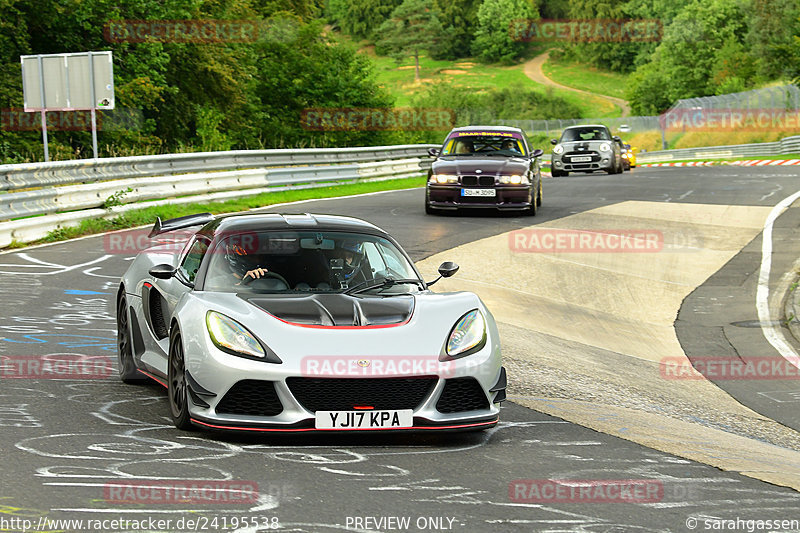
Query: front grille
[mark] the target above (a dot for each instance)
(569, 155)
(251, 397)
(342, 394)
(461, 394)
(471, 181)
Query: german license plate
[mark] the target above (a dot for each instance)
(478, 192)
(582, 159)
(366, 419)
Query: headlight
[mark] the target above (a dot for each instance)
(514, 179)
(231, 337)
(625, 156)
(444, 178)
(605, 147)
(558, 150)
(467, 337)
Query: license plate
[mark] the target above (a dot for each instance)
(582, 159)
(366, 419)
(478, 192)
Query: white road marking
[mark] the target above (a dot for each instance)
(773, 334)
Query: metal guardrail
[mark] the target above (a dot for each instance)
(787, 145)
(87, 185)
(25, 176)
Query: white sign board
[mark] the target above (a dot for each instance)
(68, 82)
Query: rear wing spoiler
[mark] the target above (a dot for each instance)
(173, 224)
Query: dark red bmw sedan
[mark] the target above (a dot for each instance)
(485, 167)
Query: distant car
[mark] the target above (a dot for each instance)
(293, 323)
(586, 148)
(631, 155)
(488, 167)
(623, 153)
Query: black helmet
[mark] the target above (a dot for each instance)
(237, 257)
(357, 249)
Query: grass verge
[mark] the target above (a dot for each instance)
(141, 217)
(585, 77)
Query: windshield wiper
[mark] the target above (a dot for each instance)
(388, 282)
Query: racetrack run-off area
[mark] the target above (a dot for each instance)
(584, 335)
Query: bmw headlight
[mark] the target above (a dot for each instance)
(232, 337)
(467, 336)
(558, 150)
(443, 178)
(514, 179)
(605, 147)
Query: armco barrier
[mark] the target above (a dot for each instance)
(788, 145)
(87, 185)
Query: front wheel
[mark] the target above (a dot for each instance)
(176, 384)
(540, 194)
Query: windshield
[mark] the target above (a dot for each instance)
(585, 134)
(506, 144)
(279, 261)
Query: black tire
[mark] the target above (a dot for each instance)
(128, 372)
(533, 209)
(428, 209)
(540, 194)
(176, 384)
(555, 173)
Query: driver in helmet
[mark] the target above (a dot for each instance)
(352, 256)
(242, 264)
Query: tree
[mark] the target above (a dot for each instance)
(361, 18)
(704, 34)
(493, 38)
(412, 28)
(773, 26)
(459, 19)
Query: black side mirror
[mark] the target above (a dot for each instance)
(537, 153)
(433, 152)
(553, 141)
(163, 271)
(446, 269)
(617, 138)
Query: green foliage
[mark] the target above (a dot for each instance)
(361, 18)
(412, 28)
(774, 26)
(116, 198)
(510, 103)
(494, 41)
(190, 95)
(458, 18)
(700, 54)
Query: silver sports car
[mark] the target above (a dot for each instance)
(293, 323)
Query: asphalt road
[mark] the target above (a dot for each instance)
(67, 444)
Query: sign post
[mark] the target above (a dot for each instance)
(68, 82)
